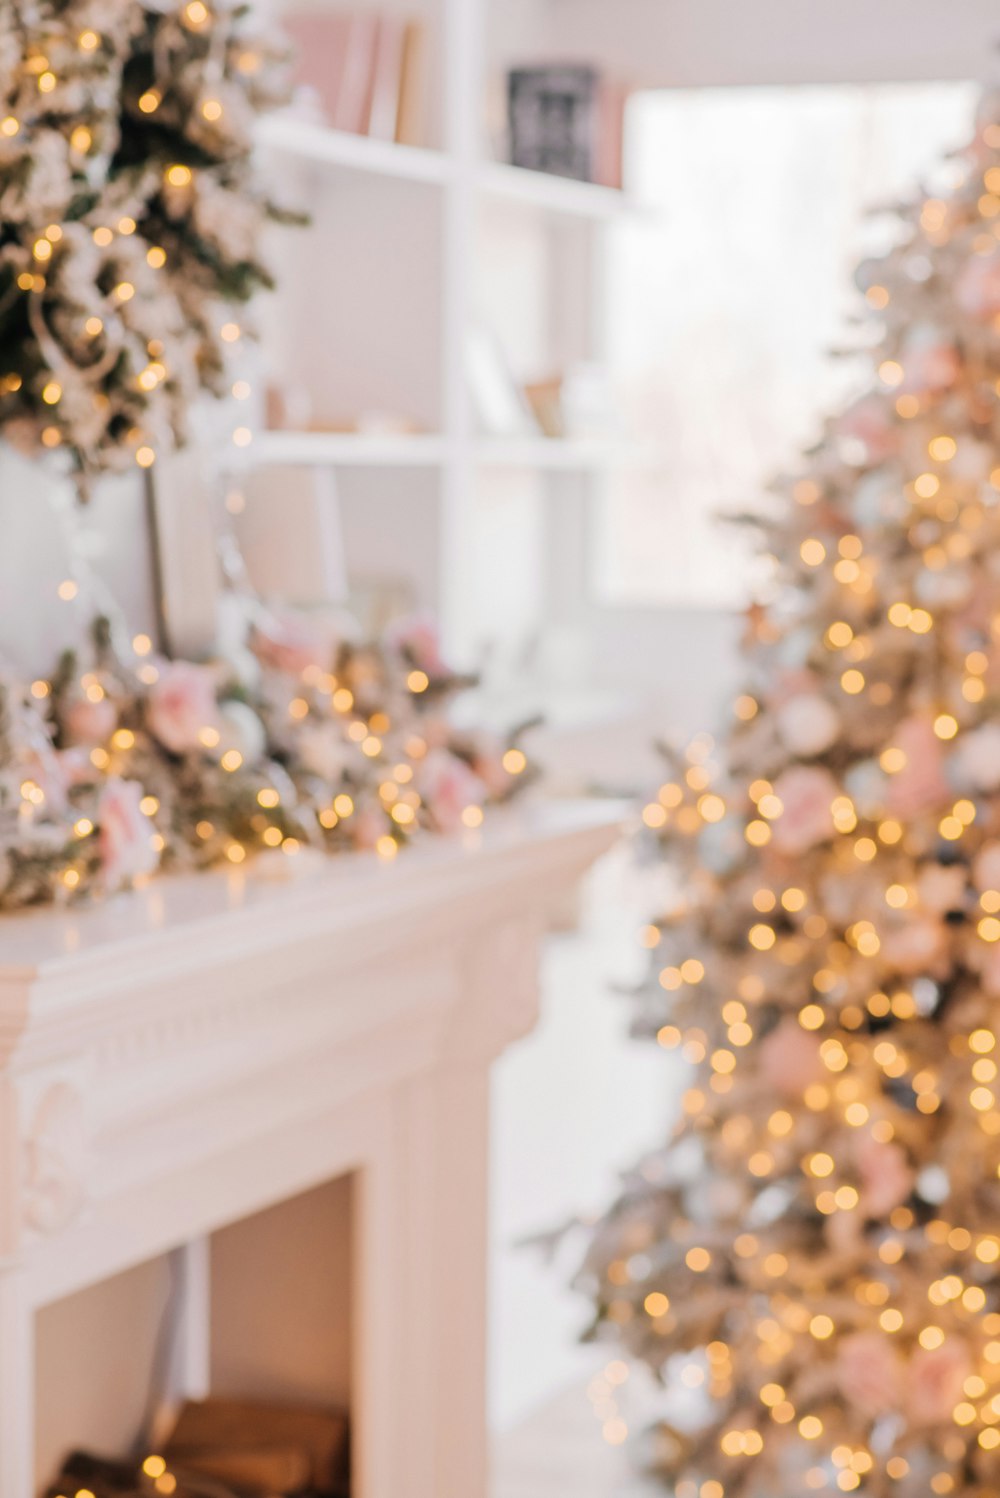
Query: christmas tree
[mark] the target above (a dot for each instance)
(132, 215)
(815, 1253)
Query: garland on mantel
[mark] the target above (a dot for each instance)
(303, 738)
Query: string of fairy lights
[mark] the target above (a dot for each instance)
(141, 135)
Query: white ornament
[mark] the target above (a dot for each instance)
(808, 724)
(241, 729)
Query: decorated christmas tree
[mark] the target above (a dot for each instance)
(814, 1256)
(132, 214)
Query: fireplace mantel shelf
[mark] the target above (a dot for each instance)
(175, 1060)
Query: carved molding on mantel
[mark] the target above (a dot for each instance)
(56, 1158)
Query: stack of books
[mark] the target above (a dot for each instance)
(365, 69)
(568, 121)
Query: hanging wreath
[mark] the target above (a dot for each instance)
(131, 216)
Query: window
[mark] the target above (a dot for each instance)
(727, 296)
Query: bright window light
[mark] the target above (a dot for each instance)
(727, 297)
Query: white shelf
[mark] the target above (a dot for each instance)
(554, 454)
(339, 150)
(428, 450)
(544, 193)
(347, 449)
(443, 232)
(312, 141)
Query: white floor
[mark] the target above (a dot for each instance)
(572, 1104)
(559, 1453)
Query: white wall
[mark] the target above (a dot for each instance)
(673, 42)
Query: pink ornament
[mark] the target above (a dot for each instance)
(935, 1381)
(181, 704)
(806, 793)
(789, 685)
(447, 787)
(986, 868)
(930, 364)
(869, 421)
(942, 889)
(417, 638)
(920, 785)
(125, 834)
(870, 1373)
(886, 1177)
(977, 287)
(977, 757)
(294, 643)
(89, 722)
(789, 1059)
(919, 945)
(807, 724)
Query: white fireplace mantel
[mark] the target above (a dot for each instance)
(177, 1059)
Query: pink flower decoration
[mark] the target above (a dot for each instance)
(868, 421)
(806, 793)
(886, 1177)
(977, 287)
(920, 785)
(181, 704)
(870, 1373)
(447, 786)
(56, 771)
(88, 722)
(294, 643)
(920, 945)
(418, 640)
(125, 834)
(934, 1384)
(789, 1059)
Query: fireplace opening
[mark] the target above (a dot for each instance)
(239, 1337)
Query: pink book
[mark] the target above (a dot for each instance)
(611, 132)
(387, 78)
(355, 98)
(320, 39)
